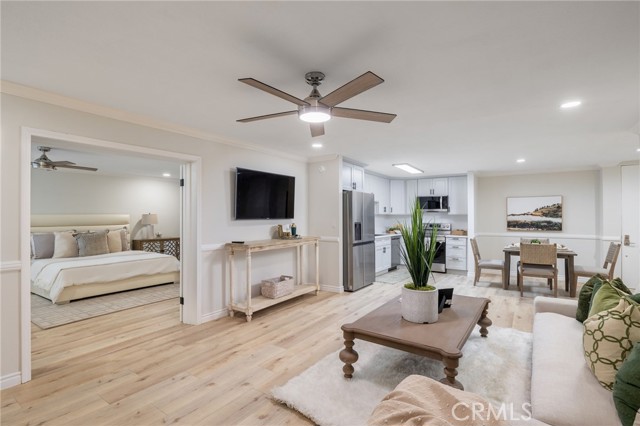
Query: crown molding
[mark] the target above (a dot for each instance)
(26, 92)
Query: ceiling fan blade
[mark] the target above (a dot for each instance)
(272, 90)
(61, 163)
(92, 169)
(361, 114)
(356, 86)
(317, 129)
(263, 117)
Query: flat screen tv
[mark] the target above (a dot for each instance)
(262, 195)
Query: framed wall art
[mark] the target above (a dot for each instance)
(534, 213)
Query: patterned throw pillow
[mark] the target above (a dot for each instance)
(65, 245)
(626, 389)
(91, 244)
(608, 338)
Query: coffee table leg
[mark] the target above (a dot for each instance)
(484, 321)
(450, 371)
(348, 355)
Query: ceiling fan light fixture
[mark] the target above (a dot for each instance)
(408, 168)
(314, 113)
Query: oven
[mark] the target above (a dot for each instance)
(440, 259)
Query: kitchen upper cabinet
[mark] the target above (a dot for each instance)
(397, 197)
(411, 192)
(458, 195)
(436, 186)
(352, 177)
(380, 188)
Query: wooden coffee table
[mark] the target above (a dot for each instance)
(442, 340)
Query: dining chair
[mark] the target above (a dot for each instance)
(481, 263)
(607, 269)
(539, 261)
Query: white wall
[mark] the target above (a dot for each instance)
(95, 194)
(582, 202)
(218, 227)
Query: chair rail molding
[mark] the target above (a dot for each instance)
(11, 265)
(548, 235)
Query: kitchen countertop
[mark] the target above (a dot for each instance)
(381, 236)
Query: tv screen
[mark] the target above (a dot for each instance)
(262, 195)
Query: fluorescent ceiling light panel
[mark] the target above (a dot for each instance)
(408, 168)
(570, 104)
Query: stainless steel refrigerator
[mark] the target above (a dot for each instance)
(359, 251)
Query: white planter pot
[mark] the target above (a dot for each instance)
(419, 306)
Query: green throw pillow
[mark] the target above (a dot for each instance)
(607, 296)
(584, 298)
(626, 388)
(635, 297)
(608, 337)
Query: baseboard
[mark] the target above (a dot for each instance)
(10, 380)
(212, 316)
(332, 288)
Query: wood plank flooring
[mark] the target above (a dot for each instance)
(143, 367)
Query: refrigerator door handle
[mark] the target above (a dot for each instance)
(357, 231)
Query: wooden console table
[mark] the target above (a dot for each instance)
(251, 305)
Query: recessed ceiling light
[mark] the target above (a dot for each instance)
(638, 149)
(316, 145)
(520, 160)
(408, 168)
(570, 104)
(166, 174)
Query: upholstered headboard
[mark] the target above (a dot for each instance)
(78, 222)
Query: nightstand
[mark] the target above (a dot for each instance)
(158, 245)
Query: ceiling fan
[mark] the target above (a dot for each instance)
(316, 109)
(43, 162)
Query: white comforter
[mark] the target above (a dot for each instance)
(53, 275)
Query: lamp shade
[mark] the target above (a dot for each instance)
(150, 219)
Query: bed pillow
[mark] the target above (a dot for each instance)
(65, 245)
(124, 232)
(91, 244)
(114, 241)
(42, 245)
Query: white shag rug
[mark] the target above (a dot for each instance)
(497, 367)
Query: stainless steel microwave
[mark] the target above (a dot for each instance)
(434, 203)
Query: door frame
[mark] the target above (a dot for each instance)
(190, 244)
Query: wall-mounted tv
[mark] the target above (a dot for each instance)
(262, 195)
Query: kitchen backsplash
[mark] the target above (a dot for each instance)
(385, 221)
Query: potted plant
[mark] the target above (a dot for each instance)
(419, 299)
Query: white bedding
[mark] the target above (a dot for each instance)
(53, 275)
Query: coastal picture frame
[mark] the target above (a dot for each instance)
(540, 213)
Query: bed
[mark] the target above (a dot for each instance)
(61, 276)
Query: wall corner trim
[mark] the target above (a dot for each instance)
(10, 380)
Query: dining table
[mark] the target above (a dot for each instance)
(564, 253)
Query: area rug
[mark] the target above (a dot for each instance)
(498, 368)
(47, 315)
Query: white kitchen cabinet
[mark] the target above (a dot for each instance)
(380, 188)
(397, 197)
(433, 187)
(456, 251)
(383, 255)
(411, 187)
(352, 177)
(458, 195)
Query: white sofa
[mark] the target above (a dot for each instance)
(564, 391)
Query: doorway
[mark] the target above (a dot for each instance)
(630, 183)
(190, 264)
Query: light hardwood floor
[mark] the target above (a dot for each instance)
(143, 367)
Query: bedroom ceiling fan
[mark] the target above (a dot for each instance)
(316, 109)
(43, 162)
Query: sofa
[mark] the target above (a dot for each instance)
(564, 391)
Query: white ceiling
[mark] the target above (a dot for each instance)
(476, 85)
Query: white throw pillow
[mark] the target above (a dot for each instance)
(114, 239)
(65, 245)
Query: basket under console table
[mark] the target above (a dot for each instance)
(254, 304)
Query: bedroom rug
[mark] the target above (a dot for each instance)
(47, 315)
(498, 368)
